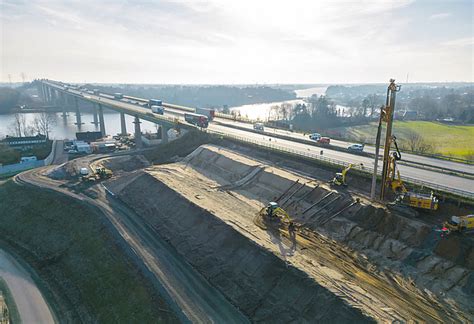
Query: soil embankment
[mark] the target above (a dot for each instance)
(82, 270)
(205, 206)
(255, 280)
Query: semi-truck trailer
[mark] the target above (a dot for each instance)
(209, 113)
(155, 102)
(196, 119)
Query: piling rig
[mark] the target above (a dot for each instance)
(391, 180)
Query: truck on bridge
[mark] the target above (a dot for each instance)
(209, 113)
(196, 119)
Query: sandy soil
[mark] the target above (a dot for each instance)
(233, 188)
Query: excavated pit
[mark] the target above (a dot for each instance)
(351, 260)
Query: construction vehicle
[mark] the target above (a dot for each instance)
(273, 210)
(460, 224)
(403, 195)
(101, 173)
(340, 178)
(272, 216)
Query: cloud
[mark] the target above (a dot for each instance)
(215, 41)
(442, 15)
(460, 42)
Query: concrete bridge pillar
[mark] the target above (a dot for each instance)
(63, 103)
(101, 120)
(138, 133)
(54, 94)
(78, 113)
(94, 114)
(123, 124)
(40, 91)
(46, 94)
(49, 94)
(164, 134)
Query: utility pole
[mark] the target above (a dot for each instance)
(386, 116)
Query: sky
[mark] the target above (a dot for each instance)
(237, 41)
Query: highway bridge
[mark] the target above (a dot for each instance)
(428, 172)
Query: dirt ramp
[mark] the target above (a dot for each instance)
(259, 283)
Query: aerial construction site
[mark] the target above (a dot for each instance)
(227, 232)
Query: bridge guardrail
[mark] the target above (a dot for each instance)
(360, 167)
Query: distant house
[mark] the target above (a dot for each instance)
(24, 142)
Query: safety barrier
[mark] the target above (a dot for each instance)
(360, 167)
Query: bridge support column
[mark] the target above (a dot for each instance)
(164, 134)
(138, 133)
(94, 114)
(63, 104)
(41, 91)
(48, 94)
(54, 94)
(101, 120)
(78, 113)
(123, 124)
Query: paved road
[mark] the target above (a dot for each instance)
(461, 167)
(426, 175)
(31, 305)
(194, 298)
(434, 178)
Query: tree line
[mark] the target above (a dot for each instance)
(202, 95)
(429, 101)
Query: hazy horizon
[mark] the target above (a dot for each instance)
(237, 43)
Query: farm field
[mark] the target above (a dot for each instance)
(450, 140)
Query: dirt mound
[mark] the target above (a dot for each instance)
(259, 283)
(409, 255)
(125, 163)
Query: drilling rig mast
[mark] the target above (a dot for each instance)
(386, 116)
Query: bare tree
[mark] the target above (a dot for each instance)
(43, 123)
(19, 125)
(274, 113)
(416, 143)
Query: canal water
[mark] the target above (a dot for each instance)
(263, 111)
(65, 128)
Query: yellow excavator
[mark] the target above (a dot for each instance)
(273, 210)
(340, 178)
(403, 196)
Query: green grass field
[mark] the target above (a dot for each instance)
(450, 140)
(73, 251)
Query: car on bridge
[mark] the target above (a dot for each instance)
(324, 140)
(258, 127)
(356, 147)
(315, 136)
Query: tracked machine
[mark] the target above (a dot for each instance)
(391, 180)
(460, 224)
